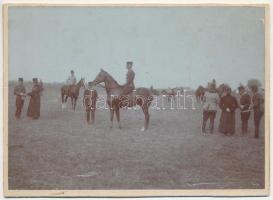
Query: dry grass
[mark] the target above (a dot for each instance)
(61, 151)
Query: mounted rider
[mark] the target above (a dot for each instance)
(129, 86)
(71, 81)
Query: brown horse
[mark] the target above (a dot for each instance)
(199, 93)
(116, 98)
(72, 92)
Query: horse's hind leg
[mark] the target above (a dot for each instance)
(118, 117)
(111, 117)
(62, 96)
(65, 101)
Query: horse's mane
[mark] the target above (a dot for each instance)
(109, 76)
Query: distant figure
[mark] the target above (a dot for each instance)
(211, 100)
(228, 104)
(72, 80)
(129, 86)
(41, 85)
(34, 103)
(245, 102)
(90, 99)
(258, 108)
(20, 92)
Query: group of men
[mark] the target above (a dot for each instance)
(33, 110)
(228, 105)
(34, 103)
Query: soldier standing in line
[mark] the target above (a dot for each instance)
(20, 92)
(258, 108)
(245, 102)
(211, 101)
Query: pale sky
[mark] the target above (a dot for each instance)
(183, 46)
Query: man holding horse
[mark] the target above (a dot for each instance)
(89, 100)
(20, 92)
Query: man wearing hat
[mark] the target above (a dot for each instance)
(129, 86)
(258, 108)
(20, 92)
(34, 103)
(90, 99)
(245, 102)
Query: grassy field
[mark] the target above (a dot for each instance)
(61, 151)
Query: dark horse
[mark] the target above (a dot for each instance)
(116, 100)
(72, 92)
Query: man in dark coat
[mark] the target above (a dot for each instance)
(245, 102)
(228, 104)
(129, 86)
(20, 92)
(34, 103)
(258, 108)
(90, 99)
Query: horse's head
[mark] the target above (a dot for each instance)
(81, 82)
(100, 77)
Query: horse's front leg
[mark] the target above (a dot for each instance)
(75, 102)
(63, 106)
(118, 117)
(111, 117)
(72, 102)
(65, 101)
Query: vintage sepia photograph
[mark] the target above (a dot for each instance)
(136, 100)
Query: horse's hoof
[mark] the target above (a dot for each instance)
(143, 129)
(111, 127)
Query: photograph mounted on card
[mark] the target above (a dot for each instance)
(118, 100)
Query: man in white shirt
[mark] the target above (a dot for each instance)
(71, 81)
(211, 101)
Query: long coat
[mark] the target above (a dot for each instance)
(35, 102)
(228, 104)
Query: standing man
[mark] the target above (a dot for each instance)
(245, 102)
(20, 92)
(129, 86)
(228, 104)
(258, 108)
(211, 100)
(34, 103)
(72, 80)
(90, 99)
